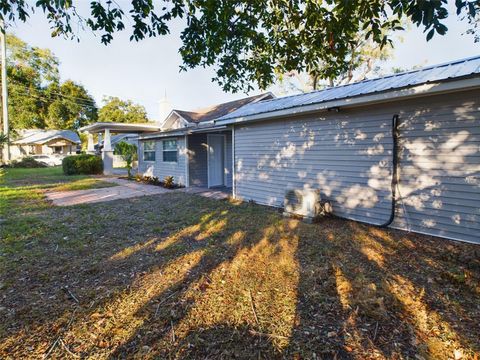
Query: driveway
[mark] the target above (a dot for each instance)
(125, 189)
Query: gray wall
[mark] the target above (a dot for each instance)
(197, 150)
(162, 169)
(348, 157)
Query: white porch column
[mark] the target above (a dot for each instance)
(99, 139)
(107, 145)
(107, 154)
(90, 144)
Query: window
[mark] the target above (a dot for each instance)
(149, 151)
(170, 150)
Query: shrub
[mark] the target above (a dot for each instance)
(27, 162)
(82, 164)
(168, 182)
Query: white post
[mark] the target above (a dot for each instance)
(6, 129)
(187, 160)
(90, 144)
(107, 145)
(107, 154)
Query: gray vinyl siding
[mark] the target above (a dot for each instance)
(349, 163)
(162, 169)
(347, 155)
(440, 169)
(197, 149)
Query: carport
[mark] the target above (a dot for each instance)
(105, 129)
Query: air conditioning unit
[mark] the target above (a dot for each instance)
(306, 203)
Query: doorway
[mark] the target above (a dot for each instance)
(216, 160)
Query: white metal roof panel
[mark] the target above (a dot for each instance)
(456, 69)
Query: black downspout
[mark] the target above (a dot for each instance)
(394, 182)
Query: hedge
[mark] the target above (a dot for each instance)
(82, 164)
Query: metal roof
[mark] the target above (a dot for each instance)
(35, 136)
(453, 70)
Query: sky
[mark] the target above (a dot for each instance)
(143, 71)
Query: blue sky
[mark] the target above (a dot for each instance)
(143, 71)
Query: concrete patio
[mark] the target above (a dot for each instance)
(125, 189)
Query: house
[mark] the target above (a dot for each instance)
(400, 150)
(191, 148)
(36, 142)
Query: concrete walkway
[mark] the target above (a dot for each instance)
(126, 189)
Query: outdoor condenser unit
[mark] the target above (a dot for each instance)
(306, 203)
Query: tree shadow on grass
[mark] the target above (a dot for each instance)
(395, 299)
(180, 276)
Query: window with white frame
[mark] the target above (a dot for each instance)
(170, 151)
(149, 151)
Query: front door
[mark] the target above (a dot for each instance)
(215, 159)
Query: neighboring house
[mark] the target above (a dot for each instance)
(339, 140)
(50, 143)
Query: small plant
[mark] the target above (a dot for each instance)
(168, 182)
(155, 180)
(128, 152)
(138, 177)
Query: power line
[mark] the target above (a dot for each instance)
(86, 101)
(46, 100)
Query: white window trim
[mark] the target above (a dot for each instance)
(163, 151)
(154, 151)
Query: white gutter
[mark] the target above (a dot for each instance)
(389, 96)
(163, 135)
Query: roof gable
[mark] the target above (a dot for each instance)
(181, 118)
(40, 137)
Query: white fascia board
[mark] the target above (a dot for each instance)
(428, 89)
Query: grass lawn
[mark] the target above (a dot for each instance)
(181, 276)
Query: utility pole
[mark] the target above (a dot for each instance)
(6, 129)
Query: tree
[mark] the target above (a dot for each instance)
(37, 99)
(249, 41)
(123, 111)
(365, 58)
(71, 107)
(128, 152)
(29, 70)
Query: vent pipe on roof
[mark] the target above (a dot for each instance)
(165, 108)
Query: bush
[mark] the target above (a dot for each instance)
(27, 162)
(168, 182)
(82, 164)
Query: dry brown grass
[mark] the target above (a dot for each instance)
(180, 276)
